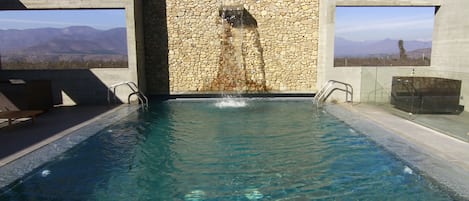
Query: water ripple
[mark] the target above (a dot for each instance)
(199, 151)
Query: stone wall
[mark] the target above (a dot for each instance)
(249, 46)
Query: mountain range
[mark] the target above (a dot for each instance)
(386, 47)
(83, 43)
(76, 42)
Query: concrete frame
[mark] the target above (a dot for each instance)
(134, 25)
(372, 84)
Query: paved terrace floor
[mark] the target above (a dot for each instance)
(436, 155)
(455, 125)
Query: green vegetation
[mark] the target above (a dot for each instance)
(55, 65)
(380, 61)
(415, 58)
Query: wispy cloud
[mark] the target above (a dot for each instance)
(22, 24)
(57, 23)
(386, 25)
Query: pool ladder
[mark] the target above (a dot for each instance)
(329, 87)
(141, 97)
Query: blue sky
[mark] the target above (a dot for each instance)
(377, 23)
(353, 23)
(100, 19)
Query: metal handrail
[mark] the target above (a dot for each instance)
(328, 89)
(134, 89)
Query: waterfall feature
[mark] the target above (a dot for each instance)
(241, 63)
(230, 76)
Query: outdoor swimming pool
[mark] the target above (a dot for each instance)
(258, 149)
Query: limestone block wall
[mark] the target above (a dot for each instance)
(249, 46)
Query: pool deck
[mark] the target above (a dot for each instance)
(437, 156)
(24, 133)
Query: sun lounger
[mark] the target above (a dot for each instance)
(12, 115)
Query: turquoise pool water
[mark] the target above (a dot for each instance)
(212, 150)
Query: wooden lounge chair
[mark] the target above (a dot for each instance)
(12, 115)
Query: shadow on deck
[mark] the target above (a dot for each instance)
(23, 133)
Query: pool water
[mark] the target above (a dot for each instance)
(239, 150)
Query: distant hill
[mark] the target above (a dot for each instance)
(420, 53)
(74, 43)
(348, 48)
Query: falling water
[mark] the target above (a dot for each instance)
(241, 62)
(230, 80)
(230, 69)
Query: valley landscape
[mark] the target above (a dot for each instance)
(76, 47)
(381, 53)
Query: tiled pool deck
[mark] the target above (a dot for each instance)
(26, 146)
(455, 125)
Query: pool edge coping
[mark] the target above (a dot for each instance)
(419, 156)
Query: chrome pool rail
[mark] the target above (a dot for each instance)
(328, 88)
(135, 91)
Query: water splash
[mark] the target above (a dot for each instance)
(45, 173)
(253, 194)
(408, 170)
(195, 195)
(231, 102)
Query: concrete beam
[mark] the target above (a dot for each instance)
(64, 4)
